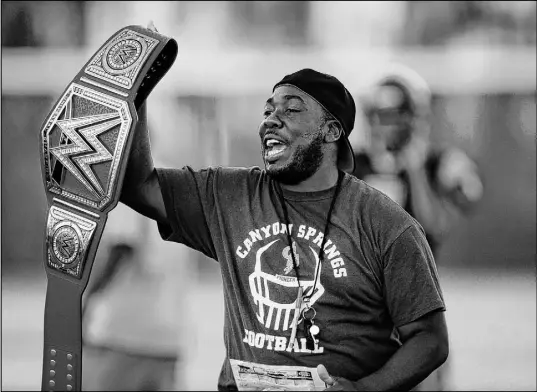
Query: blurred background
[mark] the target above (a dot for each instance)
(479, 58)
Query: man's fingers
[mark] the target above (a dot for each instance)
(323, 374)
(151, 26)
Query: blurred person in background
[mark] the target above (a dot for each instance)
(128, 345)
(311, 258)
(434, 184)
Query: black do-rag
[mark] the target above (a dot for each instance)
(332, 95)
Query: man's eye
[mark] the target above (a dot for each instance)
(267, 113)
(291, 110)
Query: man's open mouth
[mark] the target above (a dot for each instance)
(274, 149)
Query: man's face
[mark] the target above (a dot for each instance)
(291, 135)
(391, 122)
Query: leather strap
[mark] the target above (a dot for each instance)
(85, 142)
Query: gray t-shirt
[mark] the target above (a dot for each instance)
(377, 270)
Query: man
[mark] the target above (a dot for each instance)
(434, 185)
(319, 268)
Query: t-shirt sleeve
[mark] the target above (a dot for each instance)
(187, 195)
(411, 281)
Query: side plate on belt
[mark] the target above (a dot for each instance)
(120, 61)
(69, 235)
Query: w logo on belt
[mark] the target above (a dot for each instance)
(82, 148)
(82, 145)
(123, 54)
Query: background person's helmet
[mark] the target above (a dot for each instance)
(415, 89)
(399, 97)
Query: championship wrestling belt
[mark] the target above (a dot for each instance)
(85, 142)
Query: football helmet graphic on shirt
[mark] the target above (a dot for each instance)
(275, 294)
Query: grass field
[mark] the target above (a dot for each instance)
(491, 319)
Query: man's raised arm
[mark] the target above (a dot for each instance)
(141, 189)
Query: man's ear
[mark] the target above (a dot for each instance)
(334, 132)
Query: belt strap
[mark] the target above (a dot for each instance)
(85, 142)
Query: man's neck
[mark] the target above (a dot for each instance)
(324, 178)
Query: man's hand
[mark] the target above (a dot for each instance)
(151, 26)
(335, 383)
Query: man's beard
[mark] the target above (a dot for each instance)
(305, 161)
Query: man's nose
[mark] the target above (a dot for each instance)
(272, 121)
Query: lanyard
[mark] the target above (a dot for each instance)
(300, 296)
